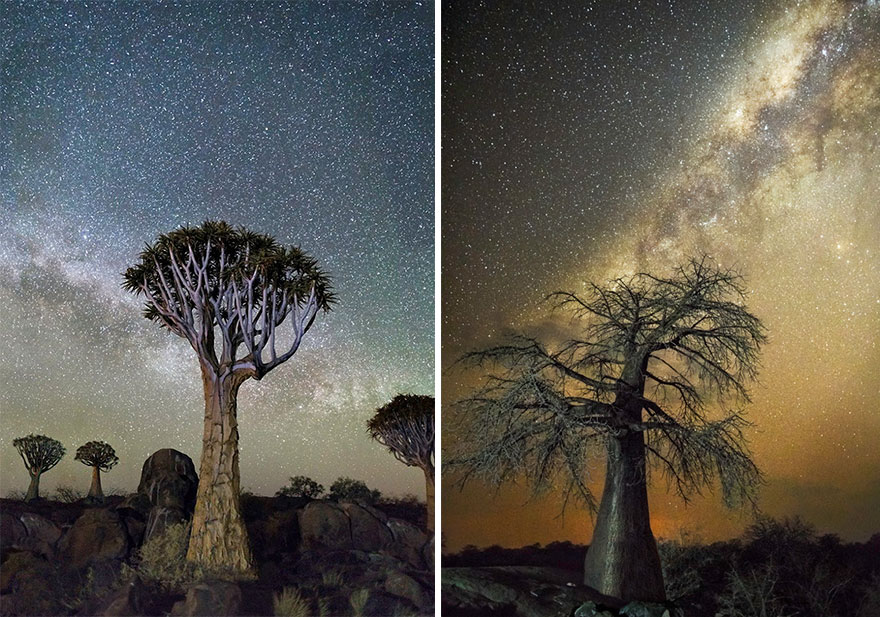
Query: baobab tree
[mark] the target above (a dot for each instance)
(406, 427)
(40, 454)
(649, 381)
(228, 292)
(100, 456)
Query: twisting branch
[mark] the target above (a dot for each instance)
(659, 356)
(219, 283)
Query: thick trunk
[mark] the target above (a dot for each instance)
(95, 490)
(623, 560)
(33, 491)
(219, 539)
(429, 499)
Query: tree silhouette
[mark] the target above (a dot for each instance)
(227, 291)
(406, 427)
(301, 486)
(346, 489)
(100, 456)
(40, 454)
(647, 381)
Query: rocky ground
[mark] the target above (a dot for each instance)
(83, 559)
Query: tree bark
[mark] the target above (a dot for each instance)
(429, 499)
(95, 490)
(219, 538)
(622, 560)
(33, 491)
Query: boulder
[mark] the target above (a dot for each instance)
(428, 553)
(324, 524)
(11, 530)
(399, 584)
(98, 533)
(368, 531)
(136, 504)
(161, 518)
(40, 528)
(211, 599)
(408, 541)
(168, 478)
(129, 600)
(381, 604)
(29, 586)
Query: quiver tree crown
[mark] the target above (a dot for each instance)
(39, 453)
(218, 283)
(97, 454)
(406, 427)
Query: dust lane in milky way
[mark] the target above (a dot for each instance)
(119, 121)
(594, 141)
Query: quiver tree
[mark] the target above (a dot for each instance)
(406, 427)
(40, 454)
(647, 382)
(228, 292)
(100, 456)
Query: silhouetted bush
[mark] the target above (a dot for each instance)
(346, 489)
(301, 486)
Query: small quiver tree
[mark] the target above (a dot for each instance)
(100, 456)
(40, 454)
(406, 427)
(228, 291)
(647, 382)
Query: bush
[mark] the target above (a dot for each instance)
(301, 486)
(358, 601)
(67, 494)
(346, 489)
(292, 603)
(162, 558)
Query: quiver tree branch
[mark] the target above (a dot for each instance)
(39, 454)
(406, 427)
(644, 384)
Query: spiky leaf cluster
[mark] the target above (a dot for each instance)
(659, 355)
(39, 453)
(406, 427)
(218, 282)
(97, 454)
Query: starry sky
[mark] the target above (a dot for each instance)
(589, 140)
(309, 121)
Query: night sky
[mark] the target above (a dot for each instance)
(312, 122)
(586, 141)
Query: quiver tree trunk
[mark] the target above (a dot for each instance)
(33, 491)
(219, 539)
(95, 490)
(429, 499)
(622, 560)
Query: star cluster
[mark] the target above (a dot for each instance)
(591, 140)
(312, 122)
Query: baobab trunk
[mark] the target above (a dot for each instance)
(219, 538)
(95, 490)
(33, 491)
(429, 498)
(622, 560)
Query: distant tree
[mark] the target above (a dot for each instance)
(301, 486)
(646, 381)
(406, 427)
(100, 456)
(227, 291)
(40, 454)
(346, 489)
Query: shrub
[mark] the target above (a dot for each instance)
(301, 486)
(292, 603)
(67, 494)
(358, 600)
(332, 579)
(346, 489)
(752, 594)
(162, 558)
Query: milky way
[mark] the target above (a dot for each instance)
(601, 140)
(312, 122)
